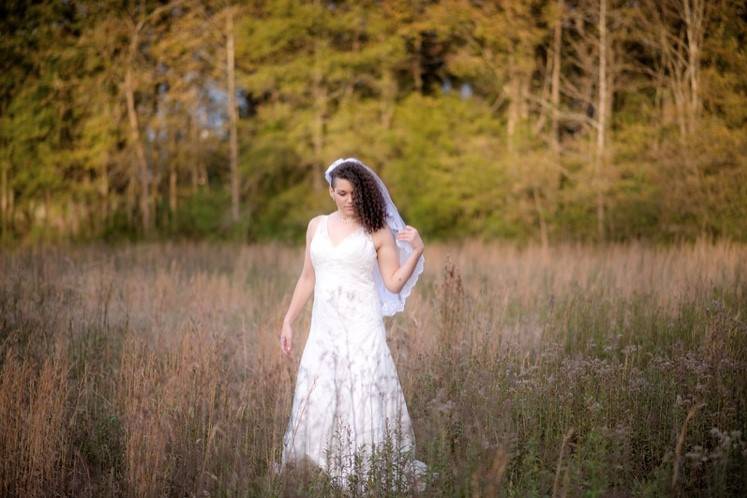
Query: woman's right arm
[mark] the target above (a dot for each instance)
(304, 289)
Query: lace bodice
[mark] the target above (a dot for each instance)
(345, 271)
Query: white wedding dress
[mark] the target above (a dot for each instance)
(348, 400)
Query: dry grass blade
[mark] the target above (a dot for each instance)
(557, 489)
(681, 442)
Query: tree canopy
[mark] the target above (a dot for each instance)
(533, 120)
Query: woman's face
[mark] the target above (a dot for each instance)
(342, 194)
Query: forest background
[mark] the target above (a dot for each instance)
(534, 121)
(578, 171)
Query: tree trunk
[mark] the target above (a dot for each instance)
(347, 92)
(387, 98)
(173, 156)
(555, 93)
(159, 156)
(47, 223)
(544, 239)
(136, 140)
(601, 118)
(320, 108)
(232, 117)
(155, 183)
(513, 109)
(694, 12)
(694, 17)
(103, 213)
(417, 75)
(130, 203)
(518, 92)
(4, 201)
(194, 154)
(11, 209)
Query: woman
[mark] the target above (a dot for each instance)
(348, 401)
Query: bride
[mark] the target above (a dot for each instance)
(361, 262)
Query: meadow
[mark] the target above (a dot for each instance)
(155, 370)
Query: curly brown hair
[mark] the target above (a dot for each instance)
(368, 201)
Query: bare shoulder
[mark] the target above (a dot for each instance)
(311, 228)
(382, 236)
(315, 220)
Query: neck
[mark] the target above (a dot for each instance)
(346, 219)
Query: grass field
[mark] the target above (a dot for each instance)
(155, 370)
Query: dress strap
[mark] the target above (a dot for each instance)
(318, 228)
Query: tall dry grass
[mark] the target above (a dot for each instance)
(154, 370)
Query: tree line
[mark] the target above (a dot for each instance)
(533, 120)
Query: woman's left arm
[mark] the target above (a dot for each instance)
(394, 275)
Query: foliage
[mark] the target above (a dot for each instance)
(452, 102)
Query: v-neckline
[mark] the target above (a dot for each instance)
(331, 242)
